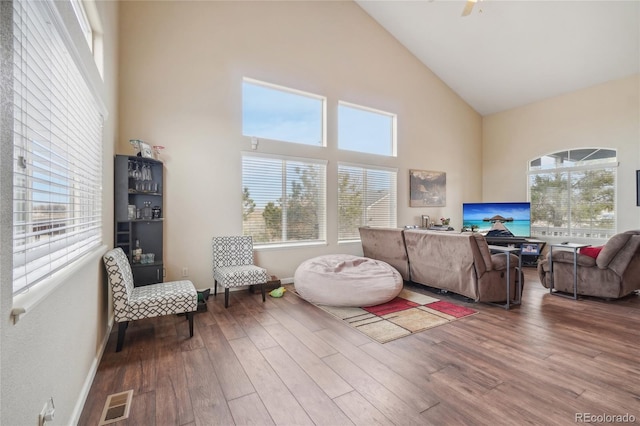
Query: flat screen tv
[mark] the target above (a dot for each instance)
(486, 217)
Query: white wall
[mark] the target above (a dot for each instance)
(607, 115)
(53, 349)
(181, 70)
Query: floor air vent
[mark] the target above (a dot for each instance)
(116, 408)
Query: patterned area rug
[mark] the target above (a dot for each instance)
(408, 313)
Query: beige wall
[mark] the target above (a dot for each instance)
(181, 69)
(607, 115)
(55, 347)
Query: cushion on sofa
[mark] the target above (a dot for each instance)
(591, 251)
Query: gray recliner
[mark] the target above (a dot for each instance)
(614, 273)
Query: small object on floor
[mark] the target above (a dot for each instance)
(203, 296)
(272, 284)
(278, 292)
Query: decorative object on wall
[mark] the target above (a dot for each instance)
(135, 143)
(427, 189)
(145, 150)
(638, 188)
(158, 149)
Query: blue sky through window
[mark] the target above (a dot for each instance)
(276, 114)
(364, 130)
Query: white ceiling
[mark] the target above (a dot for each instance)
(511, 53)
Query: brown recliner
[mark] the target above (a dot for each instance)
(613, 274)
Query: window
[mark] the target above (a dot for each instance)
(278, 113)
(573, 193)
(83, 20)
(283, 199)
(366, 197)
(366, 130)
(57, 135)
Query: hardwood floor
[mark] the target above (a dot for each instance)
(286, 362)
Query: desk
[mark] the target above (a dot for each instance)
(507, 251)
(575, 248)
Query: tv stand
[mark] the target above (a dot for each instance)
(531, 249)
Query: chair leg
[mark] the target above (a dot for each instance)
(122, 328)
(190, 318)
(215, 288)
(226, 297)
(263, 291)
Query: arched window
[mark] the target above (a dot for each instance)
(573, 193)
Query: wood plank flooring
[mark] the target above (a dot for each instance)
(286, 362)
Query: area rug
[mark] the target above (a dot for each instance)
(408, 313)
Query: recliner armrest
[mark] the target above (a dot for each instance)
(499, 261)
(565, 256)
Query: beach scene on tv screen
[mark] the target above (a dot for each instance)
(516, 217)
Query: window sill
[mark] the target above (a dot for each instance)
(288, 246)
(25, 302)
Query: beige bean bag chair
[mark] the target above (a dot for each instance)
(346, 280)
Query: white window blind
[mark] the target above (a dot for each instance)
(366, 197)
(284, 199)
(57, 150)
(573, 194)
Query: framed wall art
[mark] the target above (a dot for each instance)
(427, 188)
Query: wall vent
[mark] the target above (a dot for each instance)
(116, 408)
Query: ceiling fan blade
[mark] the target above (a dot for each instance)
(468, 7)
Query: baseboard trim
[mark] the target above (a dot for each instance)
(86, 387)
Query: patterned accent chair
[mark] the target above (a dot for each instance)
(132, 303)
(233, 265)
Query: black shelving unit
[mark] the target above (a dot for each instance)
(130, 189)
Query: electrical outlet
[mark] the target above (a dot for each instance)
(185, 272)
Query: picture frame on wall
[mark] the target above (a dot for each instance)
(427, 188)
(145, 150)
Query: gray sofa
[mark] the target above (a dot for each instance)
(614, 273)
(386, 244)
(458, 262)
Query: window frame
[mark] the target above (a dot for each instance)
(83, 21)
(288, 90)
(570, 169)
(393, 201)
(322, 207)
(394, 127)
(92, 159)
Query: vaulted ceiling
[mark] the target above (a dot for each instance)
(507, 54)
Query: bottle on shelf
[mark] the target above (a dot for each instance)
(147, 211)
(137, 253)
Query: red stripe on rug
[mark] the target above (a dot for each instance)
(395, 305)
(450, 309)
